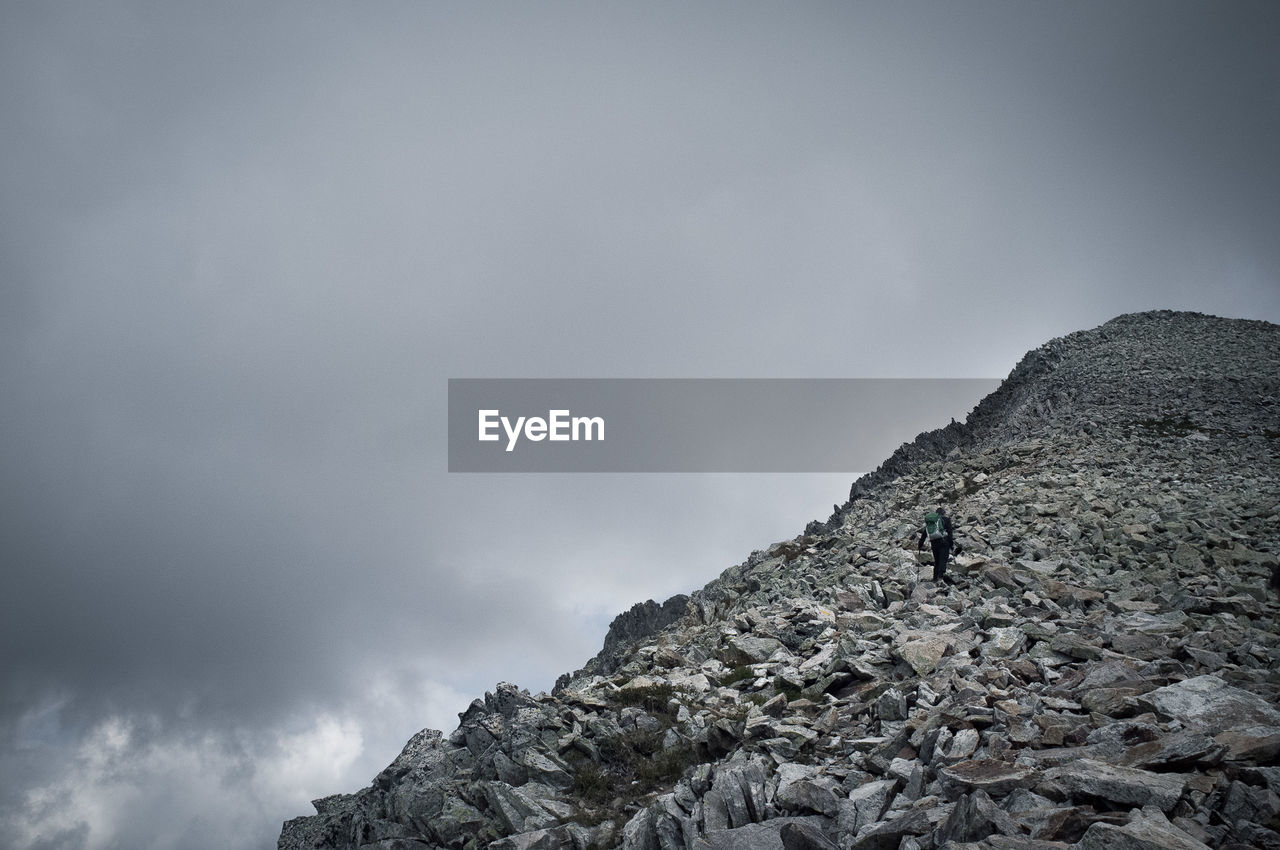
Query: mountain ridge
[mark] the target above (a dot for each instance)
(1117, 497)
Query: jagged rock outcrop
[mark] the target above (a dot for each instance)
(640, 621)
(1103, 671)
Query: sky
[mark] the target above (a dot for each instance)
(244, 246)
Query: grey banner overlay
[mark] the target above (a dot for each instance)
(699, 424)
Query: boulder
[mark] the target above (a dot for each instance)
(1126, 785)
(1209, 703)
(1243, 723)
(1148, 829)
(759, 836)
(923, 654)
(891, 834)
(975, 817)
(865, 805)
(749, 649)
(996, 778)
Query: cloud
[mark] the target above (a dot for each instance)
(137, 781)
(123, 782)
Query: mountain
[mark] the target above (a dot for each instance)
(1102, 670)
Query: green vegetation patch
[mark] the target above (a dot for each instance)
(666, 766)
(655, 699)
(631, 766)
(593, 784)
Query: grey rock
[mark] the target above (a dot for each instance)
(457, 820)
(923, 654)
(1246, 803)
(1051, 822)
(642, 620)
(760, 836)
(1268, 776)
(1076, 647)
(890, 834)
(1147, 830)
(975, 817)
(963, 744)
(1003, 643)
(1246, 725)
(640, 833)
(996, 778)
(1177, 751)
(1255, 837)
(542, 839)
(891, 705)
(1115, 740)
(736, 797)
(818, 794)
(749, 649)
(1259, 744)
(1013, 842)
(543, 769)
(508, 771)
(515, 809)
(1131, 786)
(799, 835)
(864, 806)
(1209, 703)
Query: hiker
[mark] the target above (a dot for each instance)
(941, 536)
(1275, 581)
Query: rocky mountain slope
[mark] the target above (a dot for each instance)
(1103, 673)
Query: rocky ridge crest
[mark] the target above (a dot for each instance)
(1104, 672)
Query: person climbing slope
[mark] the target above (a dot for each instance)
(940, 533)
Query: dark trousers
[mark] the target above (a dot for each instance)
(941, 549)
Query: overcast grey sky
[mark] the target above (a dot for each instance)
(243, 246)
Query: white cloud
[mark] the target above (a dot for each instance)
(316, 757)
(135, 781)
(130, 783)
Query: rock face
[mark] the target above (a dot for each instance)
(1104, 670)
(641, 621)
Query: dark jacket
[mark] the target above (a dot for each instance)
(946, 525)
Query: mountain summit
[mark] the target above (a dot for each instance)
(1101, 670)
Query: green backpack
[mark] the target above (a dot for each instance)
(934, 527)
